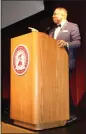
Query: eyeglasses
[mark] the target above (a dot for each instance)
(58, 14)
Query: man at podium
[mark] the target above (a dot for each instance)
(67, 35)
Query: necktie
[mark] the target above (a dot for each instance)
(59, 25)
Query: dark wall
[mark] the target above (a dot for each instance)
(76, 13)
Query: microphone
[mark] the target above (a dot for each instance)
(33, 29)
(47, 29)
(50, 27)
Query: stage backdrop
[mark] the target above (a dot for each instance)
(14, 11)
(76, 13)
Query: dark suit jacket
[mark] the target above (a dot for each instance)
(69, 33)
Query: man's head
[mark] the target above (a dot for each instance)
(59, 15)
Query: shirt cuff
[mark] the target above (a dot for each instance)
(67, 45)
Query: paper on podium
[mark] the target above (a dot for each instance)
(33, 29)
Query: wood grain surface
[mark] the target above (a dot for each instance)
(41, 95)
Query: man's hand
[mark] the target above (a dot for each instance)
(33, 29)
(62, 43)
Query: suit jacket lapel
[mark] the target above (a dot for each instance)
(52, 32)
(62, 29)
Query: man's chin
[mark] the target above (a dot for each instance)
(56, 22)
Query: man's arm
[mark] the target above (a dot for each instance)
(75, 37)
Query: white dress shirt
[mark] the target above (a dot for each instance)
(57, 30)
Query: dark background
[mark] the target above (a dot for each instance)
(40, 21)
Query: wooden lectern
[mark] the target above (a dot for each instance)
(39, 96)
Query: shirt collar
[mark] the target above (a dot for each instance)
(63, 22)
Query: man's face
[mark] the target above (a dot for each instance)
(57, 16)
